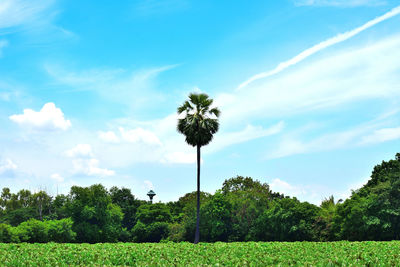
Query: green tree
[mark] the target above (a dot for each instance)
(15, 217)
(152, 224)
(60, 231)
(217, 219)
(25, 198)
(126, 201)
(5, 197)
(186, 205)
(373, 211)
(199, 125)
(288, 219)
(95, 218)
(324, 224)
(42, 201)
(59, 206)
(184, 216)
(249, 199)
(33, 231)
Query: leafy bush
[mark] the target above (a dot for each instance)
(33, 231)
(60, 231)
(8, 234)
(153, 232)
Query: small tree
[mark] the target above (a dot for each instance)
(198, 128)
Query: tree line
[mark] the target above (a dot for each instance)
(243, 209)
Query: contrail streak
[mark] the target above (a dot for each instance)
(318, 47)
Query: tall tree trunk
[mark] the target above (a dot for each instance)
(40, 210)
(197, 234)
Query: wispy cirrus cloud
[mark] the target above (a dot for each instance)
(294, 143)
(250, 132)
(355, 74)
(321, 46)
(381, 135)
(34, 19)
(118, 85)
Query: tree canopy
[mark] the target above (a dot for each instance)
(243, 209)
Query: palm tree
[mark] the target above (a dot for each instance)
(198, 126)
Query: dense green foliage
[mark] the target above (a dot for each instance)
(242, 210)
(36, 231)
(204, 254)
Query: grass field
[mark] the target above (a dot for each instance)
(217, 254)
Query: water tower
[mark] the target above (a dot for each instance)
(151, 194)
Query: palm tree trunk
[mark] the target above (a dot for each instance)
(197, 234)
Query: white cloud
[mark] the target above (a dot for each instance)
(86, 79)
(108, 137)
(359, 73)
(57, 177)
(7, 167)
(381, 135)
(250, 132)
(180, 158)
(80, 150)
(117, 85)
(139, 135)
(48, 118)
(291, 144)
(3, 43)
(172, 148)
(323, 45)
(314, 193)
(340, 3)
(90, 167)
(83, 161)
(350, 188)
(344, 76)
(287, 189)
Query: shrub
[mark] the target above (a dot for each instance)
(61, 230)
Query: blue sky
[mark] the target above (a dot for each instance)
(308, 89)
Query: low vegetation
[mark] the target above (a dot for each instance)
(210, 254)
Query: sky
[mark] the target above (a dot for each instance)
(308, 92)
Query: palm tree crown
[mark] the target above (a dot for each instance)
(198, 126)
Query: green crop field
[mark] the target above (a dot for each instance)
(207, 254)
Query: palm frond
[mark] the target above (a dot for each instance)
(215, 111)
(185, 107)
